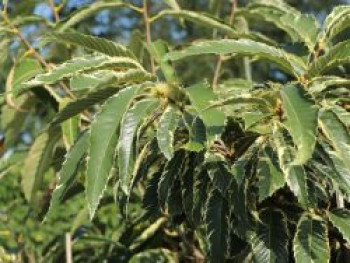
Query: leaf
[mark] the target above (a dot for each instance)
(200, 195)
(340, 218)
(37, 163)
(81, 65)
(216, 226)
(128, 127)
(301, 116)
(101, 152)
(337, 133)
(150, 198)
(101, 94)
(165, 131)
(218, 172)
(310, 242)
(337, 21)
(323, 83)
(68, 171)
(173, 4)
(92, 43)
(336, 56)
(172, 170)
(270, 177)
(270, 241)
(300, 27)
(157, 50)
(288, 62)
(198, 18)
(24, 71)
(294, 174)
(200, 95)
(198, 136)
(88, 11)
(70, 128)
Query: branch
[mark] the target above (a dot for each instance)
(221, 58)
(148, 30)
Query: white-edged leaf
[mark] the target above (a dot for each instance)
(128, 127)
(68, 170)
(270, 241)
(103, 141)
(245, 47)
(301, 123)
(310, 242)
(340, 218)
(166, 129)
(337, 21)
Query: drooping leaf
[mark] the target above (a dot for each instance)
(171, 172)
(294, 174)
(301, 116)
(87, 12)
(300, 27)
(38, 161)
(165, 131)
(68, 171)
(81, 65)
(288, 62)
(321, 84)
(216, 226)
(337, 21)
(336, 56)
(129, 124)
(218, 172)
(340, 218)
(92, 43)
(270, 177)
(338, 135)
(270, 241)
(101, 152)
(70, 128)
(310, 242)
(101, 94)
(200, 95)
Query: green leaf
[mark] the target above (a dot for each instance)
(270, 177)
(24, 71)
(37, 163)
(336, 56)
(337, 133)
(288, 62)
(200, 95)
(166, 130)
(270, 241)
(294, 174)
(198, 136)
(92, 43)
(87, 12)
(218, 172)
(70, 128)
(81, 65)
(199, 18)
(300, 27)
(216, 226)
(321, 84)
(101, 152)
(301, 123)
(157, 50)
(68, 171)
(100, 94)
(337, 21)
(171, 172)
(310, 242)
(340, 218)
(129, 124)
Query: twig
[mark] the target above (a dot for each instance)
(69, 257)
(54, 11)
(221, 58)
(148, 31)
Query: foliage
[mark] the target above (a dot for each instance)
(141, 159)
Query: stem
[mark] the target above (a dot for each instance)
(54, 11)
(220, 58)
(69, 258)
(148, 31)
